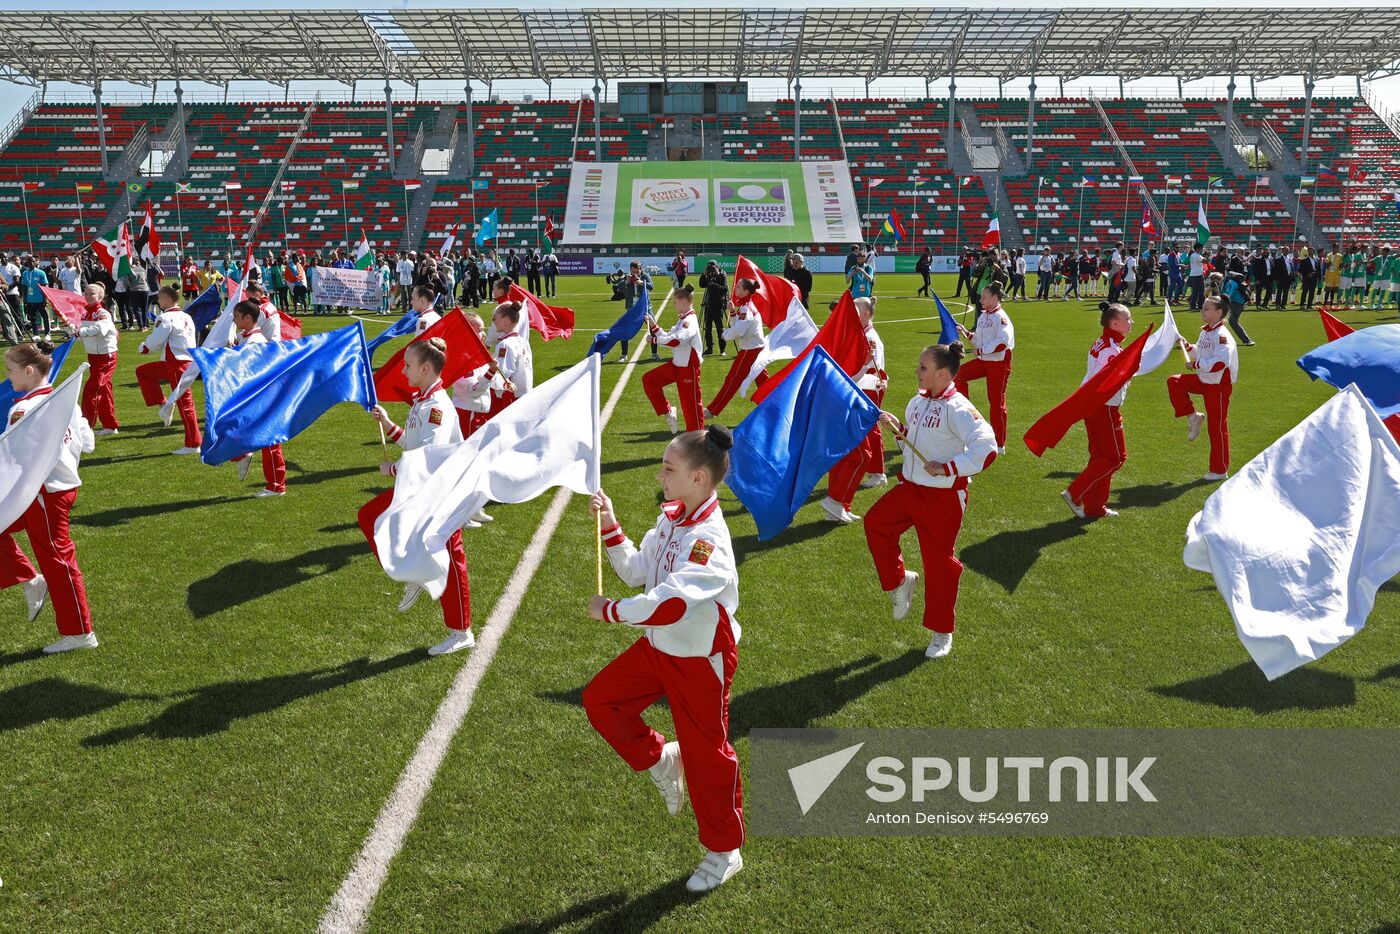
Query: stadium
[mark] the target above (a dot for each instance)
(261, 742)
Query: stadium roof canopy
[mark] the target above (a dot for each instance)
(420, 44)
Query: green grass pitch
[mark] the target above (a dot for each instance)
(216, 764)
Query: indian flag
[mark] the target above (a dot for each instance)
(114, 250)
(349, 186)
(993, 235)
(1202, 225)
(364, 256)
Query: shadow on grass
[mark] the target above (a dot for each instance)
(647, 437)
(242, 581)
(53, 699)
(1244, 687)
(1154, 494)
(746, 545)
(19, 658)
(110, 517)
(294, 472)
(214, 707)
(99, 461)
(608, 914)
(1006, 557)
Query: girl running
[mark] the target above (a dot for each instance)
(1216, 363)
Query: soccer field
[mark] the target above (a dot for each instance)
(217, 763)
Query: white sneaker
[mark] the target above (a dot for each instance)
(411, 593)
(668, 775)
(167, 413)
(458, 640)
(873, 480)
(69, 643)
(1001, 452)
(1109, 513)
(36, 594)
(1216, 476)
(671, 420)
(1194, 421)
(835, 512)
(471, 524)
(1074, 507)
(265, 493)
(245, 465)
(104, 432)
(714, 870)
(185, 450)
(707, 414)
(903, 595)
(481, 518)
(940, 645)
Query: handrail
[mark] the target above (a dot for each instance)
(1158, 218)
(17, 123)
(840, 136)
(124, 166)
(275, 188)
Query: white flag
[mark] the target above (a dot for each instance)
(545, 439)
(787, 339)
(1300, 540)
(1161, 344)
(31, 449)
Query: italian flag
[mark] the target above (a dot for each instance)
(364, 256)
(1202, 225)
(114, 250)
(993, 235)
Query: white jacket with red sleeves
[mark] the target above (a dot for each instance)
(77, 441)
(1101, 354)
(746, 328)
(431, 420)
(98, 332)
(172, 337)
(684, 340)
(686, 563)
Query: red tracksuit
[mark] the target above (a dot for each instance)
(1216, 359)
(994, 338)
(149, 377)
(1108, 449)
(944, 430)
(746, 331)
(683, 369)
(687, 655)
(99, 336)
(868, 456)
(273, 464)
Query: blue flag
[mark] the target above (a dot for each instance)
(263, 394)
(488, 228)
(399, 328)
(205, 308)
(624, 328)
(795, 435)
(7, 389)
(950, 327)
(1370, 358)
(480, 184)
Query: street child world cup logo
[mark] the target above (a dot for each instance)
(748, 201)
(669, 203)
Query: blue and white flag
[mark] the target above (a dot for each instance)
(488, 228)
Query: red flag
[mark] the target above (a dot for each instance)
(1084, 401)
(1333, 327)
(465, 353)
(550, 231)
(550, 320)
(69, 305)
(841, 336)
(1147, 225)
(1355, 173)
(33, 186)
(774, 296)
(288, 326)
(148, 239)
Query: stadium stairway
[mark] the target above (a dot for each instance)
(418, 215)
(1013, 237)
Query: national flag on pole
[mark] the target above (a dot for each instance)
(288, 187)
(233, 186)
(1091, 396)
(967, 180)
(264, 394)
(1307, 181)
(135, 187)
(412, 184)
(1202, 225)
(551, 233)
(894, 227)
(1134, 179)
(1147, 225)
(842, 337)
(874, 182)
(992, 237)
(948, 328)
(182, 187)
(406, 324)
(83, 187)
(148, 238)
(1217, 181)
(465, 353)
(1326, 172)
(1173, 179)
(550, 320)
(205, 308)
(920, 182)
(347, 185)
(480, 184)
(449, 241)
(1356, 173)
(69, 305)
(624, 328)
(7, 389)
(488, 227)
(1300, 539)
(549, 437)
(114, 250)
(794, 437)
(1088, 181)
(790, 326)
(364, 255)
(29, 450)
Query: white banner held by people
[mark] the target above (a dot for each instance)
(31, 450)
(346, 288)
(1300, 540)
(548, 438)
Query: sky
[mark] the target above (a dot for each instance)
(13, 96)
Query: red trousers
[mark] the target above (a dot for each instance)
(456, 600)
(936, 515)
(699, 700)
(498, 404)
(274, 468)
(866, 457)
(1108, 450)
(1181, 387)
(687, 380)
(471, 422)
(149, 377)
(738, 371)
(46, 524)
(998, 375)
(99, 402)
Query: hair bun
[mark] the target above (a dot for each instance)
(45, 347)
(956, 349)
(439, 343)
(1103, 306)
(687, 289)
(720, 436)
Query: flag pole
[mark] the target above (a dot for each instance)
(180, 219)
(1079, 224)
(344, 215)
(1040, 180)
(405, 212)
(901, 436)
(598, 539)
(82, 227)
(383, 442)
(1127, 192)
(957, 222)
(286, 237)
(23, 194)
(229, 208)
